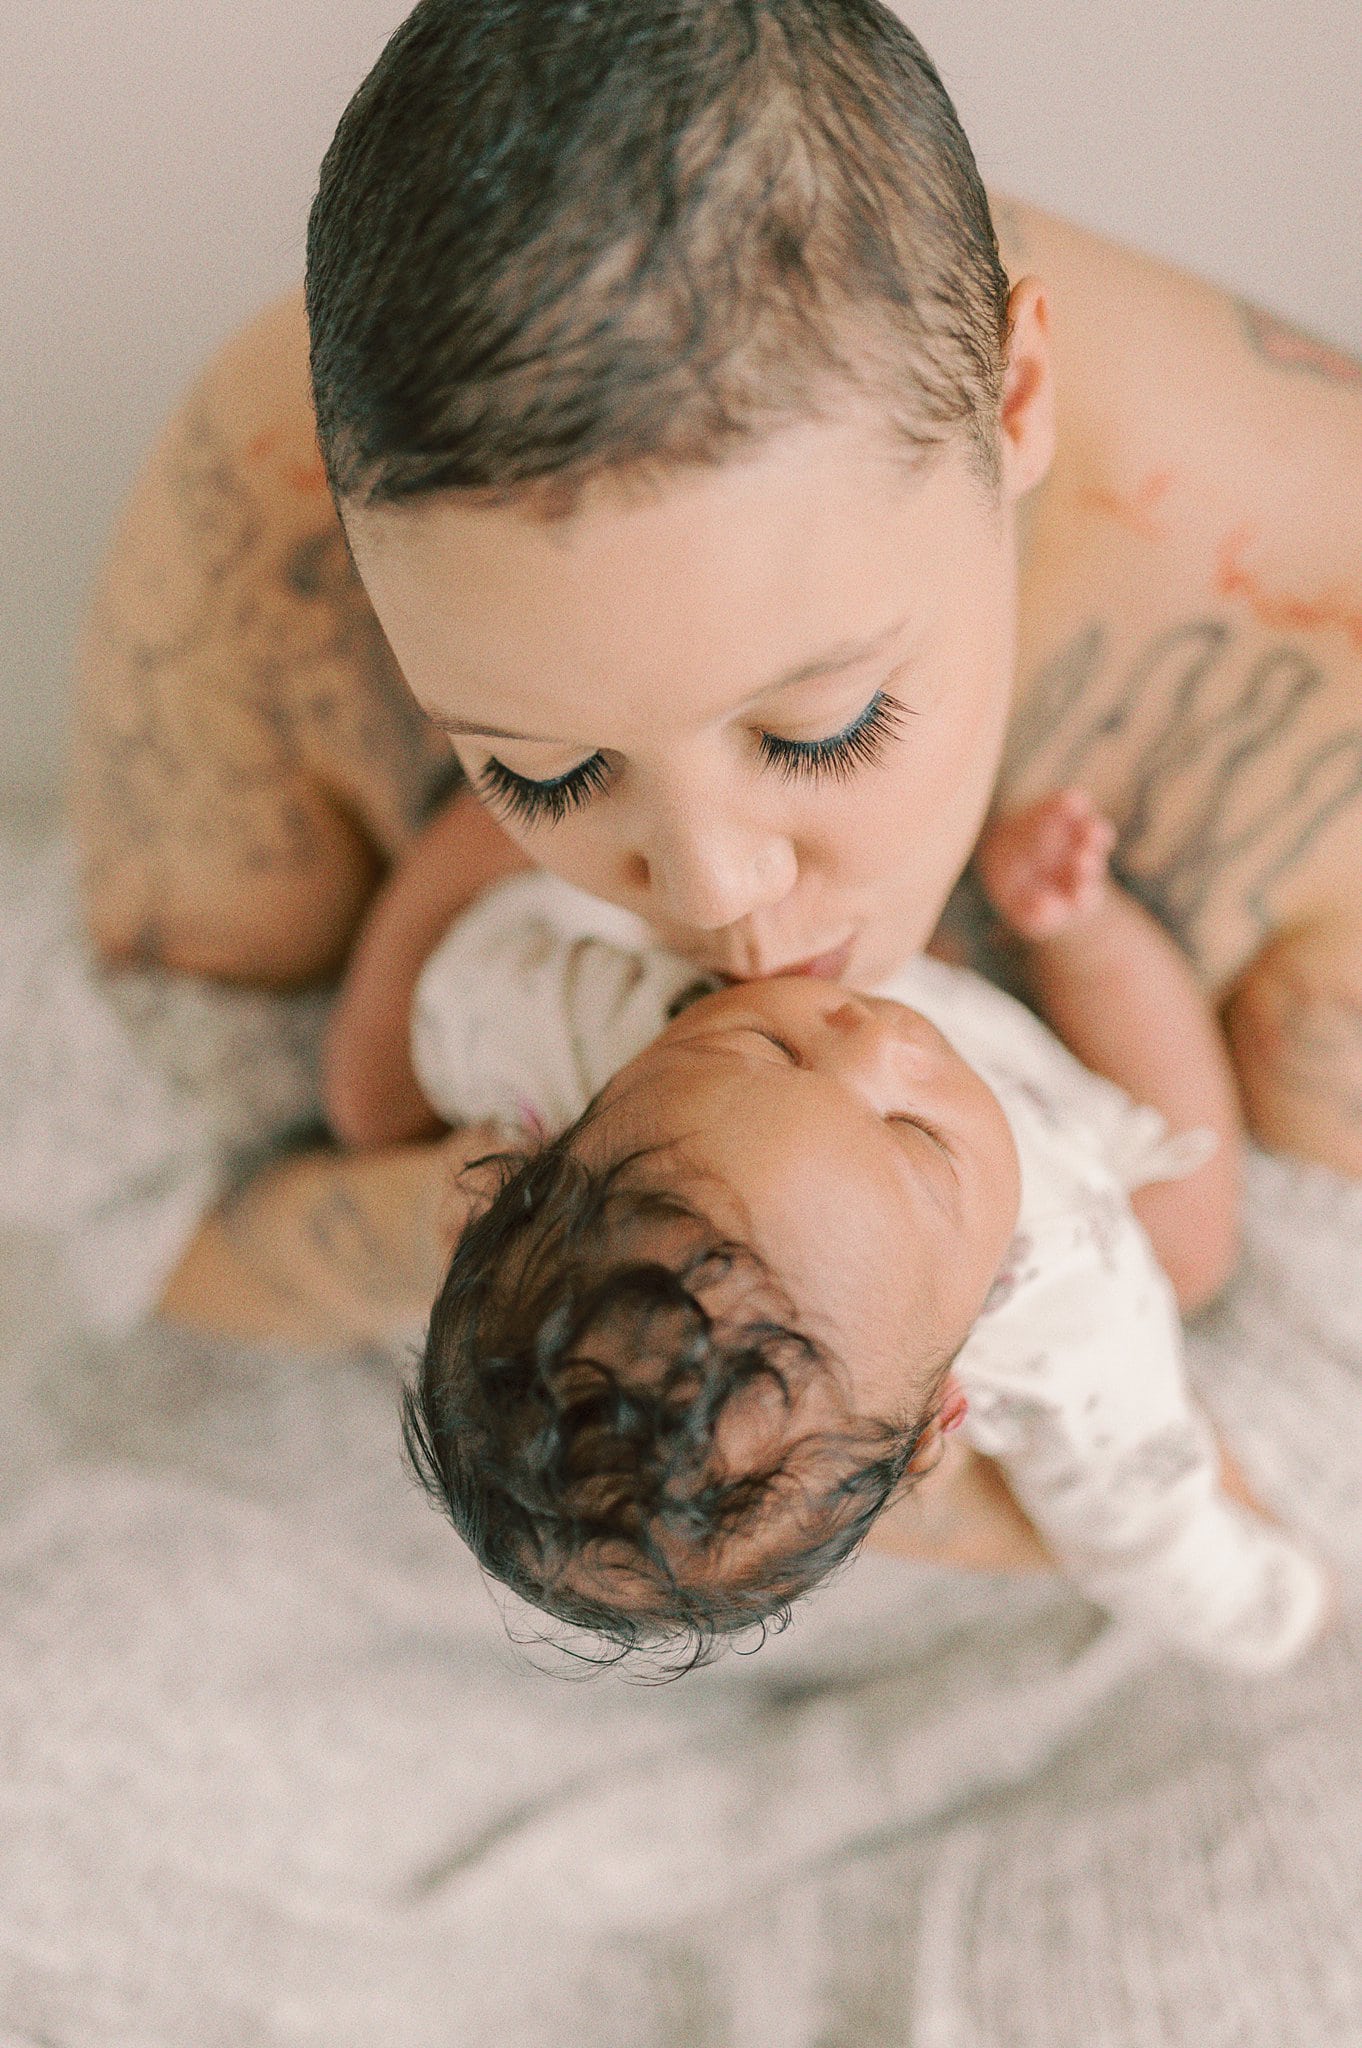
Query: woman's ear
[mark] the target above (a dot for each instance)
(1026, 416)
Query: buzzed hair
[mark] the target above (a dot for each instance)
(555, 239)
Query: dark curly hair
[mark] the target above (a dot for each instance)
(594, 1340)
(554, 238)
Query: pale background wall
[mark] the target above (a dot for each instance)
(157, 158)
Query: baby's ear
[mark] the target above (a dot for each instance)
(949, 1413)
(954, 1405)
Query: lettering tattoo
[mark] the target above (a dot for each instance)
(1286, 347)
(1174, 743)
(227, 689)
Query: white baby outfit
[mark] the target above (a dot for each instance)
(1074, 1368)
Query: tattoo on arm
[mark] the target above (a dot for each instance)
(227, 681)
(185, 744)
(369, 1263)
(357, 719)
(330, 1260)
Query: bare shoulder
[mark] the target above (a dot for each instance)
(1191, 629)
(246, 755)
(1150, 356)
(264, 364)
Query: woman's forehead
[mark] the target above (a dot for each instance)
(735, 583)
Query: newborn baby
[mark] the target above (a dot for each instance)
(788, 1236)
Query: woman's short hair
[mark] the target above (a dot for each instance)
(558, 238)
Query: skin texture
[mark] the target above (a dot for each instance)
(853, 1141)
(1121, 994)
(844, 1139)
(1185, 587)
(654, 643)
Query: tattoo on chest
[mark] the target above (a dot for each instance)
(229, 683)
(1213, 766)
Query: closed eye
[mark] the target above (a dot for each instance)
(834, 759)
(858, 745)
(722, 1036)
(918, 1123)
(543, 802)
(781, 1044)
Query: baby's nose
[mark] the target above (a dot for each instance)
(851, 1017)
(861, 1038)
(868, 1040)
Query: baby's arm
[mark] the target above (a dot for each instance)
(1114, 986)
(370, 1092)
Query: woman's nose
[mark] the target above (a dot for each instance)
(715, 876)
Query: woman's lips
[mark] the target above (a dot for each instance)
(823, 966)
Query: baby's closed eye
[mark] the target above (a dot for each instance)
(782, 1045)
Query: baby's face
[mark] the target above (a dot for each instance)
(873, 1170)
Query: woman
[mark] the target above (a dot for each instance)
(744, 526)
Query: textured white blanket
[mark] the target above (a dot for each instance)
(271, 1774)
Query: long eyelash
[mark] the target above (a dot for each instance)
(859, 745)
(535, 803)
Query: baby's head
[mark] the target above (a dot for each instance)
(691, 1349)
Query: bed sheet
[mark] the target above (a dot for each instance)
(275, 1773)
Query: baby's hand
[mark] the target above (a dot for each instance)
(1044, 868)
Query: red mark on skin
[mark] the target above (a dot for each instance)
(1332, 608)
(1135, 512)
(1293, 349)
(308, 479)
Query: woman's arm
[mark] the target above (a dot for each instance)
(1113, 985)
(369, 1090)
(330, 1248)
(961, 1513)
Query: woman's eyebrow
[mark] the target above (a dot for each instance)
(847, 654)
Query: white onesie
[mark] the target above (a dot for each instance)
(1074, 1369)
